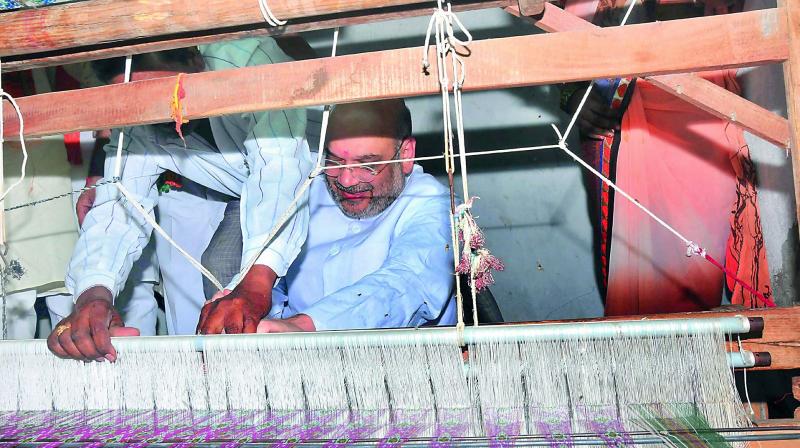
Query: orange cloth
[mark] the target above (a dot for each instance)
(694, 171)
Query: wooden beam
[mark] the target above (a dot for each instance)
(791, 76)
(702, 93)
(727, 105)
(686, 45)
(124, 48)
(94, 22)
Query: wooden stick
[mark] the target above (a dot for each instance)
(686, 45)
(82, 54)
(697, 91)
(93, 22)
(791, 76)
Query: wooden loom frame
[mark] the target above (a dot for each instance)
(90, 30)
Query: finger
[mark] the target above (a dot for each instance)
(215, 320)
(65, 340)
(118, 332)
(82, 338)
(101, 338)
(220, 294)
(204, 312)
(250, 326)
(55, 346)
(265, 326)
(116, 319)
(234, 322)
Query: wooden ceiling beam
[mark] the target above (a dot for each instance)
(685, 45)
(702, 93)
(38, 55)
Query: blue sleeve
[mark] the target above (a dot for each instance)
(412, 286)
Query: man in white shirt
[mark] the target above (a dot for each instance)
(378, 250)
(260, 157)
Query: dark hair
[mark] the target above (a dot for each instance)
(106, 69)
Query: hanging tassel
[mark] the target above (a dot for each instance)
(476, 260)
(176, 106)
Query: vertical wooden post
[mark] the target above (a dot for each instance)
(791, 75)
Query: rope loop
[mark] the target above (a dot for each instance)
(693, 248)
(269, 17)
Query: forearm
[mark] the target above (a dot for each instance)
(268, 199)
(113, 234)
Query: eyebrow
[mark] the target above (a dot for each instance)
(369, 158)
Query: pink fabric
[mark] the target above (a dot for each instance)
(679, 162)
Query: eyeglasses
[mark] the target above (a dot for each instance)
(361, 173)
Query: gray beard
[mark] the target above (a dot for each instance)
(380, 200)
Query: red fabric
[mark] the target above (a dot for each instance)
(681, 163)
(72, 143)
(72, 140)
(18, 84)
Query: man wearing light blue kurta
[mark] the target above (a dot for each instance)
(378, 250)
(260, 157)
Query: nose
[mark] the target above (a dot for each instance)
(346, 178)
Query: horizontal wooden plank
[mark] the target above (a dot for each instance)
(727, 105)
(94, 22)
(697, 91)
(686, 45)
(124, 48)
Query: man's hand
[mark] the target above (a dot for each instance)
(240, 310)
(86, 199)
(301, 322)
(86, 333)
(597, 119)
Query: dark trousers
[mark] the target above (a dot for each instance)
(223, 256)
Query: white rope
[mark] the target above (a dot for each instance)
(324, 168)
(441, 27)
(292, 209)
(5, 95)
(744, 380)
(563, 145)
(118, 162)
(692, 248)
(269, 17)
(150, 220)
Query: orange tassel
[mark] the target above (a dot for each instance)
(176, 106)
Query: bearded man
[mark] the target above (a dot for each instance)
(378, 249)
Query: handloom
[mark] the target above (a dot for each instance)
(602, 384)
(606, 379)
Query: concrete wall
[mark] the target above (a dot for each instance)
(764, 86)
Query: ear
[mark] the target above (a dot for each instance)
(408, 151)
